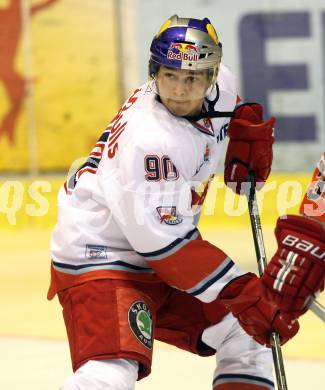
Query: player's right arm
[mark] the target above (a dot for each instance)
(150, 197)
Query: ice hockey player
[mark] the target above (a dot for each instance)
(296, 273)
(129, 264)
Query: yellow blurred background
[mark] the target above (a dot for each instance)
(70, 80)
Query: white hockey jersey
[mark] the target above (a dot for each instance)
(131, 210)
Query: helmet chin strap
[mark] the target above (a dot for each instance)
(211, 113)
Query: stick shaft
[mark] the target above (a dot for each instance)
(318, 309)
(261, 262)
(278, 362)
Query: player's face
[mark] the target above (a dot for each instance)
(182, 91)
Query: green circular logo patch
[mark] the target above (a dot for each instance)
(140, 321)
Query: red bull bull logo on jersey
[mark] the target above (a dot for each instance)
(183, 52)
(168, 215)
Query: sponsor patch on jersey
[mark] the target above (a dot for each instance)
(95, 252)
(140, 322)
(169, 215)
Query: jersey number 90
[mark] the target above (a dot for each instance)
(159, 168)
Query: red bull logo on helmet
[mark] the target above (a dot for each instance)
(183, 52)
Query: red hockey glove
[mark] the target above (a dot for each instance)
(251, 303)
(297, 270)
(250, 146)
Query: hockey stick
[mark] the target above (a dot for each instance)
(261, 262)
(318, 309)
